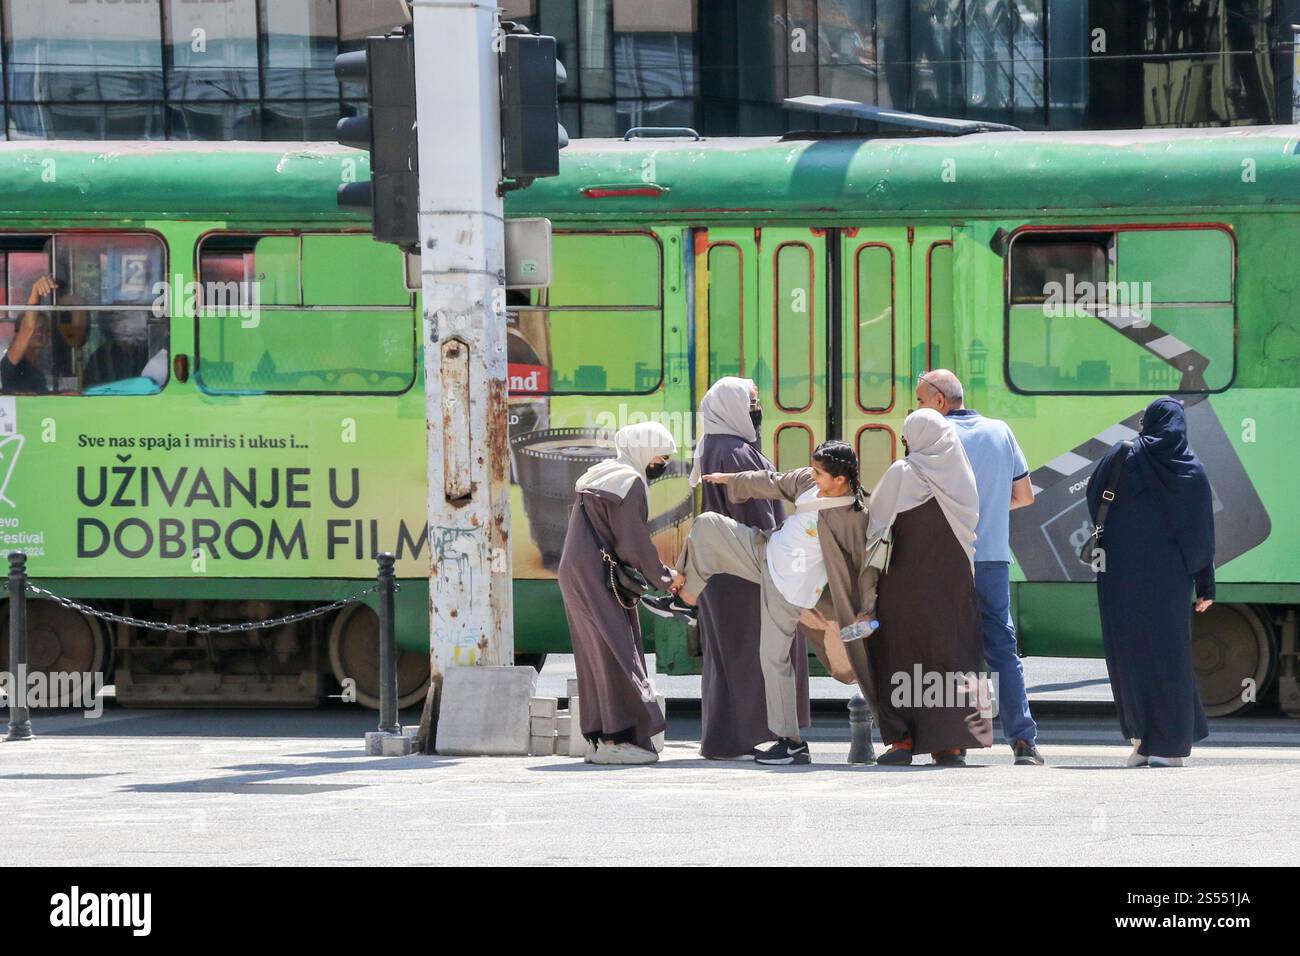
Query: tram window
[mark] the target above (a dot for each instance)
(726, 311)
(940, 317)
(1180, 265)
(1040, 259)
(873, 292)
(1160, 319)
(793, 305)
(598, 328)
(875, 453)
(303, 313)
(83, 314)
(600, 269)
(794, 446)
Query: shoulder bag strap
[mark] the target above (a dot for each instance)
(1108, 495)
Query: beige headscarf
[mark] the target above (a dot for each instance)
(724, 410)
(935, 467)
(635, 445)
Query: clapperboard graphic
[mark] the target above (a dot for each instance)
(1046, 536)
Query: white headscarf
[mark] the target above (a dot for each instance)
(935, 467)
(724, 410)
(636, 445)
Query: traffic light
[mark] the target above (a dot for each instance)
(531, 134)
(386, 67)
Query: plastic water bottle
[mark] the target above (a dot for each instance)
(857, 630)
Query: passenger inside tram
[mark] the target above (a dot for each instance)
(92, 351)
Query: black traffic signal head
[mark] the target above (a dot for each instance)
(386, 67)
(531, 134)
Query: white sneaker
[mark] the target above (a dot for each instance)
(590, 755)
(1135, 759)
(622, 754)
(1165, 761)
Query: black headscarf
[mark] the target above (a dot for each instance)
(1166, 465)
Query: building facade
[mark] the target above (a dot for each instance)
(263, 69)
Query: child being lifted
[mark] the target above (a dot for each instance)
(815, 560)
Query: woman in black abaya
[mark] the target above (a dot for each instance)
(1158, 545)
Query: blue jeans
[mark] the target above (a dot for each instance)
(993, 591)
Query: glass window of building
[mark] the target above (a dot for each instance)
(263, 69)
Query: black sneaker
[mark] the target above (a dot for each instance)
(784, 752)
(1027, 754)
(950, 760)
(671, 607)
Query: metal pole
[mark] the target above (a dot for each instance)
(20, 719)
(462, 266)
(387, 649)
(860, 747)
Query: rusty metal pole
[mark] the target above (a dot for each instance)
(462, 269)
(20, 718)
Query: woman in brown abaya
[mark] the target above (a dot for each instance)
(619, 714)
(733, 706)
(927, 655)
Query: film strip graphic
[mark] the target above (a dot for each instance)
(1180, 356)
(1081, 458)
(1047, 536)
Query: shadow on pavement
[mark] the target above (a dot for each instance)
(122, 722)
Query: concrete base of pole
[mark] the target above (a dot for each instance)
(380, 744)
(485, 711)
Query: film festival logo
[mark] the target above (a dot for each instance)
(232, 299)
(11, 446)
(55, 689)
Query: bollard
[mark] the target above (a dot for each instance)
(20, 719)
(387, 648)
(860, 721)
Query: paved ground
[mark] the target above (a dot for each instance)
(1058, 680)
(206, 787)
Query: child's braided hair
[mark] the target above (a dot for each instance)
(840, 461)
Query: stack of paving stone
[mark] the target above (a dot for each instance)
(554, 731)
(551, 729)
(543, 726)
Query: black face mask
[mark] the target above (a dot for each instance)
(656, 471)
(756, 416)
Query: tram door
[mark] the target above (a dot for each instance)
(860, 311)
(875, 344)
(761, 308)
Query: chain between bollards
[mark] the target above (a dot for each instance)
(387, 648)
(20, 718)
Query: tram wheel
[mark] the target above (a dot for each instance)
(1230, 644)
(354, 654)
(59, 640)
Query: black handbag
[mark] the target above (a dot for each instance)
(627, 583)
(1092, 544)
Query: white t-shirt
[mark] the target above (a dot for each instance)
(794, 552)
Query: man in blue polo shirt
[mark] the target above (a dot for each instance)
(1002, 477)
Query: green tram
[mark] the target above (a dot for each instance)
(233, 419)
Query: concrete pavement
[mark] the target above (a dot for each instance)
(295, 787)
